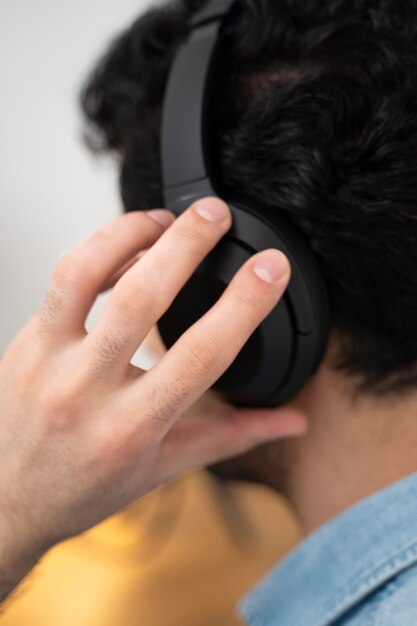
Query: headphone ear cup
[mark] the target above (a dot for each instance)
(287, 347)
(250, 377)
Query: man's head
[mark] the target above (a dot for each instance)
(314, 116)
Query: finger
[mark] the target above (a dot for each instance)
(209, 347)
(155, 343)
(147, 290)
(83, 271)
(110, 283)
(207, 439)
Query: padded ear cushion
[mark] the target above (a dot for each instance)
(287, 347)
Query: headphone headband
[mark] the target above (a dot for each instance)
(184, 145)
(214, 10)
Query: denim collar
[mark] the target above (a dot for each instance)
(335, 568)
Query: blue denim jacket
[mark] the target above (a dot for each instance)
(360, 569)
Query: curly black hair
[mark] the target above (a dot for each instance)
(314, 114)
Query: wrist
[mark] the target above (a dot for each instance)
(19, 553)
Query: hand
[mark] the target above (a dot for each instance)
(210, 403)
(83, 433)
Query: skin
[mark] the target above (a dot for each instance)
(84, 433)
(355, 446)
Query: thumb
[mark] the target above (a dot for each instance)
(207, 439)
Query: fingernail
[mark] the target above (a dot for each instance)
(271, 266)
(162, 216)
(212, 210)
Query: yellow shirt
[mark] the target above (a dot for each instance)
(181, 556)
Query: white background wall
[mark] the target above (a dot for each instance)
(52, 192)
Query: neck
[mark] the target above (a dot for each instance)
(353, 448)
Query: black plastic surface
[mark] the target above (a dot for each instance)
(288, 346)
(214, 10)
(256, 370)
(184, 122)
(178, 199)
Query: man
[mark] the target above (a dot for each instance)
(315, 117)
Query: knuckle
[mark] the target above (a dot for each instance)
(60, 408)
(72, 270)
(65, 271)
(106, 442)
(190, 231)
(249, 299)
(101, 235)
(134, 301)
(120, 447)
(202, 359)
(66, 400)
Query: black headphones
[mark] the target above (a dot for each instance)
(288, 346)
